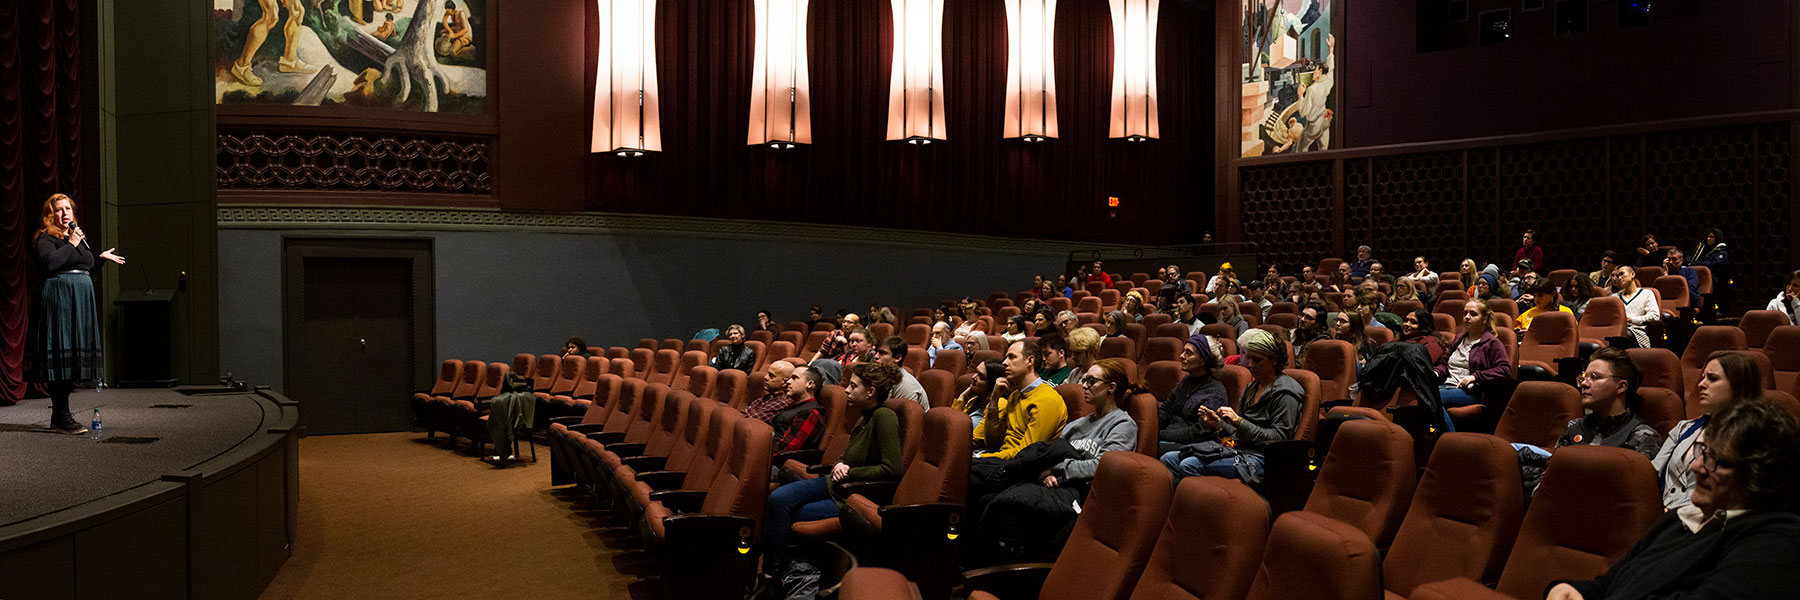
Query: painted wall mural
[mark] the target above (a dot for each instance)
(419, 55)
(1289, 73)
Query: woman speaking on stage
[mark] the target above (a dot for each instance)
(62, 347)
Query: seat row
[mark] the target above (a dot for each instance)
(1462, 522)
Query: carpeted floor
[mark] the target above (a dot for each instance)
(392, 516)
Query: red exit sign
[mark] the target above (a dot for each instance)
(1112, 201)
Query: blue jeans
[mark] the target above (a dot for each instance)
(1454, 396)
(806, 500)
(1224, 467)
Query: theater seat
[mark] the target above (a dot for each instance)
(1368, 478)
(1314, 557)
(1603, 318)
(1216, 522)
(698, 535)
(663, 369)
(1334, 362)
(1463, 518)
(1236, 379)
(1551, 339)
(834, 436)
(1161, 377)
(1661, 408)
(701, 463)
(565, 434)
(1175, 331)
(1124, 513)
(1593, 503)
(1142, 408)
(701, 379)
(915, 530)
(1783, 350)
(1539, 413)
(1672, 293)
(951, 361)
(426, 417)
(1117, 347)
(940, 386)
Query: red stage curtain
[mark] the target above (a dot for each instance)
(975, 182)
(40, 152)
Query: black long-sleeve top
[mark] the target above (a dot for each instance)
(55, 255)
(1751, 555)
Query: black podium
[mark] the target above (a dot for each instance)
(145, 348)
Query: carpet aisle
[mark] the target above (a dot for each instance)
(392, 516)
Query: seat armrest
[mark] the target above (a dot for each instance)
(1325, 407)
(681, 501)
(929, 521)
(607, 437)
(880, 492)
(662, 480)
(1456, 589)
(810, 456)
(642, 464)
(570, 422)
(624, 449)
(703, 535)
(819, 469)
(1009, 582)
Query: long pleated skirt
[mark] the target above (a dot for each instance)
(63, 343)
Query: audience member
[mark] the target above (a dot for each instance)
(1040, 490)
(1228, 314)
(1015, 329)
(1528, 250)
(1183, 312)
(1041, 321)
(1312, 327)
(892, 351)
(1673, 264)
(1055, 367)
(1609, 266)
(1348, 326)
(1609, 403)
(1711, 253)
(1084, 349)
(1641, 307)
(1179, 414)
(1650, 253)
(1523, 280)
(1255, 293)
(1542, 299)
(1024, 411)
(735, 354)
(1729, 379)
(1133, 306)
(1115, 323)
(873, 454)
(775, 397)
(1271, 407)
(1476, 358)
(941, 340)
(1419, 327)
(1378, 274)
(1468, 273)
(1221, 281)
(1423, 273)
(974, 399)
(1360, 267)
(1788, 301)
(1099, 274)
(815, 316)
(1066, 322)
(1738, 538)
(766, 322)
(795, 420)
(575, 346)
(1577, 292)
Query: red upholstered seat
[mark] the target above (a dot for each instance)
(1334, 362)
(940, 385)
(698, 550)
(1314, 557)
(1161, 377)
(1216, 522)
(1538, 413)
(1463, 518)
(1783, 350)
(1603, 318)
(1368, 478)
(1552, 336)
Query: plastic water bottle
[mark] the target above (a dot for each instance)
(96, 426)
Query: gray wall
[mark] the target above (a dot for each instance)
(504, 292)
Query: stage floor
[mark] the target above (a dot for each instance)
(49, 472)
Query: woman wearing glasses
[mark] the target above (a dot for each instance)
(1739, 538)
(1729, 378)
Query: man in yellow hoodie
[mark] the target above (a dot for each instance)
(1025, 409)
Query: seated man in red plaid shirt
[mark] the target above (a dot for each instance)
(799, 424)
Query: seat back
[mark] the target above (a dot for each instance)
(1175, 331)
(673, 344)
(1647, 276)
(1284, 308)
(672, 424)
(523, 364)
(731, 388)
(1379, 335)
(701, 379)
(545, 372)
(1109, 299)
(1154, 320)
(649, 343)
(642, 362)
(492, 376)
(912, 426)
(1161, 348)
(1757, 324)
(702, 346)
(940, 385)
(881, 331)
(694, 430)
(1504, 306)
(590, 373)
(741, 486)
(1661, 408)
(1088, 304)
(1464, 515)
(1450, 306)
(1234, 522)
(1059, 304)
(1334, 361)
(915, 335)
(813, 341)
(1161, 377)
(448, 373)
(622, 367)
(568, 374)
(1314, 557)
(1538, 413)
(646, 416)
(1672, 292)
(1783, 349)
(1784, 400)
(836, 435)
(722, 428)
(1308, 422)
(939, 472)
(949, 361)
(1117, 347)
(797, 337)
(1289, 321)
(608, 395)
(1142, 408)
(1552, 336)
(1444, 323)
(1706, 340)
(1124, 512)
(777, 351)
(1236, 379)
(1604, 317)
(663, 369)
(1592, 504)
(1660, 368)
(763, 335)
(1368, 478)
(1072, 400)
(684, 366)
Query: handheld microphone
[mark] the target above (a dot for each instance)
(71, 233)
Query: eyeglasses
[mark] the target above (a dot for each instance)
(1586, 377)
(1088, 381)
(1711, 460)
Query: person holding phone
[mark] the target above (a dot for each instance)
(62, 345)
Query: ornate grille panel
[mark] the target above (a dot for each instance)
(353, 162)
(1583, 195)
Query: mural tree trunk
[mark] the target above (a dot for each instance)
(414, 57)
